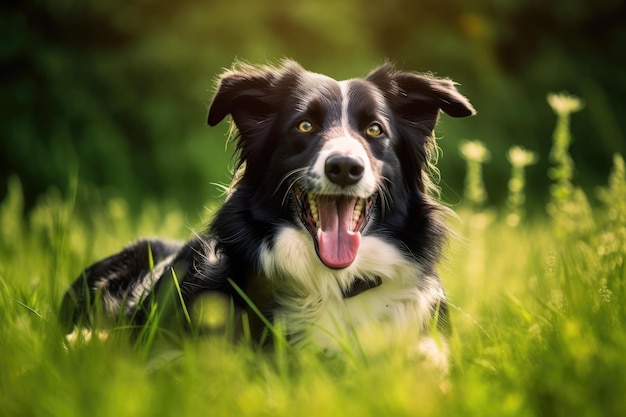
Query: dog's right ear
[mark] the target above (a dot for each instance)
(252, 95)
(243, 93)
(247, 93)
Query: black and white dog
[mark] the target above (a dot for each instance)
(329, 228)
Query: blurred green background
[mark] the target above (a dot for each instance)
(116, 92)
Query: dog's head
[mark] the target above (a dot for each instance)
(332, 151)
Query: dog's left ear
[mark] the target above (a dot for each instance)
(420, 97)
(438, 92)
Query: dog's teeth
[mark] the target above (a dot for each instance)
(313, 208)
(356, 214)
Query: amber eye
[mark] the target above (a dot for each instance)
(305, 126)
(374, 130)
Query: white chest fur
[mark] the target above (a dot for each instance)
(312, 308)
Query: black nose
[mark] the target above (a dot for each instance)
(344, 170)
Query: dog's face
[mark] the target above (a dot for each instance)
(333, 153)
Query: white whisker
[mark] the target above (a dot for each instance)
(293, 176)
(287, 176)
(385, 195)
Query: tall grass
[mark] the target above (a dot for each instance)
(538, 313)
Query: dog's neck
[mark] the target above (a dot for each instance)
(361, 285)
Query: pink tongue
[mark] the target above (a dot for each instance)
(338, 244)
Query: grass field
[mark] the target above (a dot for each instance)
(538, 309)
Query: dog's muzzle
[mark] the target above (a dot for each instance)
(343, 170)
(335, 221)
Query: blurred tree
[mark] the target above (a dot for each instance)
(118, 90)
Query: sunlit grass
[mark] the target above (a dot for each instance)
(519, 158)
(538, 319)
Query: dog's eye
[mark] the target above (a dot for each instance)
(374, 130)
(305, 126)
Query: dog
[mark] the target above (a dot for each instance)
(330, 229)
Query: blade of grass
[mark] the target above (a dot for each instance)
(275, 331)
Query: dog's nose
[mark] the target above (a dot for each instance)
(344, 170)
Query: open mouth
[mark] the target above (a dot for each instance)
(335, 223)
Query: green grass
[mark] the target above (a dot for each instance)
(538, 312)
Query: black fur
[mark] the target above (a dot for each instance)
(265, 104)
